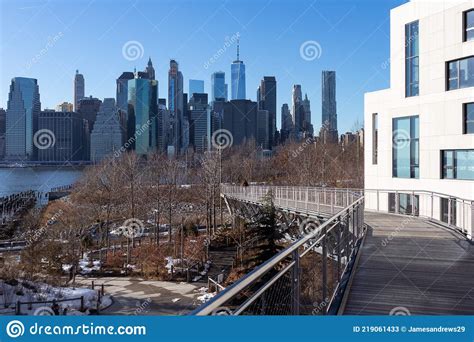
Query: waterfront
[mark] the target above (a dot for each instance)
(14, 180)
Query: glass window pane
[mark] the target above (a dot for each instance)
(448, 164)
(466, 72)
(469, 118)
(469, 19)
(465, 164)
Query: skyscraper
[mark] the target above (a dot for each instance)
(263, 129)
(22, 113)
(139, 106)
(267, 101)
(237, 70)
(107, 135)
(150, 71)
(122, 90)
(175, 103)
(69, 130)
(329, 110)
(79, 88)
(195, 86)
(200, 128)
(88, 107)
(286, 122)
(240, 118)
(297, 110)
(218, 86)
(3, 127)
(307, 126)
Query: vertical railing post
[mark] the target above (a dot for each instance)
(296, 284)
(378, 200)
(397, 203)
(338, 248)
(324, 271)
(432, 202)
(449, 211)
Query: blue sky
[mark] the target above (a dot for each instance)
(49, 40)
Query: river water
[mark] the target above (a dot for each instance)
(13, 180)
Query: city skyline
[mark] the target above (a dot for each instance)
(43, 57)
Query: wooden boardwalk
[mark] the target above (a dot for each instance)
(410, 266)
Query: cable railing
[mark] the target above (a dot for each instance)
(451, 211)
(310, 200)
(307, 277)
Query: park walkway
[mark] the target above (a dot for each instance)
(410, 266)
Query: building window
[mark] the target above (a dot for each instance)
(375, 138)
(460, 73)
(406, 147)
(448, 210)
(458, 164)
(468, 118)
(412, 62)
(468, 29)
(408, 204)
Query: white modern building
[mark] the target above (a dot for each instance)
(419, 145)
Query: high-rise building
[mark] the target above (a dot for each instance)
(237, 73)
(240, 118)
(88, 107)
(267, 99)
(307, 126)
(122, 90)
(218, 86)
(150, 70)
(419, 140)
(22, 113)
(329, 109)
(79, 89)
(140, 116)
(176, 104)
(65, 107)
(196, 86)
(200, 122)
(107, 135)
(286, 122)
(297, 110)
(263, 129)
(3, 129)
(69, 132)
(164, 131)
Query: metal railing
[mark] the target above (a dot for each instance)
(308, 276)
(451, 211)
(299, 199)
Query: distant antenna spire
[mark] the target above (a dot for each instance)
(238, 47)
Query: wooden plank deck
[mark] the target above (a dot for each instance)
(410, 264)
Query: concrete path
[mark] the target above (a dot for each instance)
(411, 266)
(134, 296)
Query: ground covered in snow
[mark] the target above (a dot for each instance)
(37, 298)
